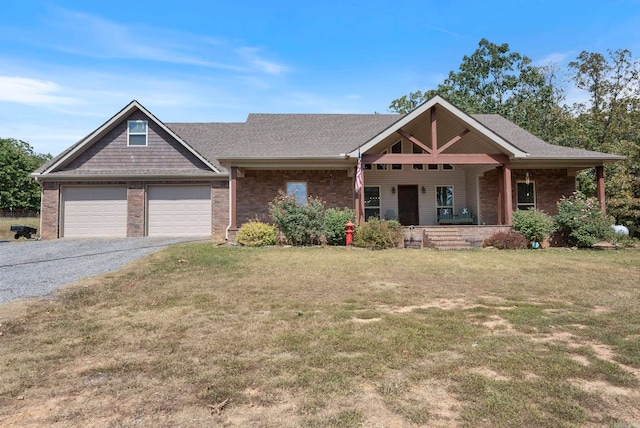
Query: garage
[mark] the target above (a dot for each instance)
(94, 211)
(179, 211)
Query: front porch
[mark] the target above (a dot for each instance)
(465, 237)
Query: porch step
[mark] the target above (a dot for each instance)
(445, 238)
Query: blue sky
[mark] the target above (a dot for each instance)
(68, 66)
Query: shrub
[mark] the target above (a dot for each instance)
(334, 221)
(533, 224)
(378, 234)
(301, 224)
(582, 222)
(256, 234)
(510, 240)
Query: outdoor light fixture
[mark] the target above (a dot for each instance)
(526, 177)
(424, 190)
(393, 189)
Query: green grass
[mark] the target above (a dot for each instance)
(332, 337)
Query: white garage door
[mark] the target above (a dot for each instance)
(179, 210)
(94, 211)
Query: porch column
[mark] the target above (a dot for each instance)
(359, 200)
(500, 194)
(600, 188)
(233, 181)
(508, 197)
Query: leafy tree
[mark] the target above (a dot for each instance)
(610, 122)
(17, 161)
(495, 80)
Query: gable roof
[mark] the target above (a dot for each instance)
(535, 147)
(70, 153)
(293, 137)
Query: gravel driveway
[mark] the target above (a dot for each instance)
(37, 268)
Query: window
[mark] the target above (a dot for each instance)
(137, 133)
(417, 150)
(298, 189)
(444, 199)
(396, 148)
(526, 195)
(443, 166)
(371, 202)
(382, 166)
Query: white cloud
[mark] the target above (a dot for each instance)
(553, 58)
(266, 66)
(24, 90)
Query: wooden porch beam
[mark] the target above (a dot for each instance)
(452, 141)
(233, 184)
(434, 130)
(508, 197)
(421, 158)
(414, 140)
(600, 188)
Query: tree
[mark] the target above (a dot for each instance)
(17, 161)
(610, 122)
(495, 80)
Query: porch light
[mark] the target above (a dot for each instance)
(526, 178)
(424, 190)
(393, 189)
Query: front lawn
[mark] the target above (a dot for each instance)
(202, 336)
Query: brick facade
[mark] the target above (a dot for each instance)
(135, 208)
(259, 187)
(136, 205)
(550, 186)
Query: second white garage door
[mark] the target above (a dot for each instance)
(179, 210)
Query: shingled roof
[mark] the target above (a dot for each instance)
(326, 136)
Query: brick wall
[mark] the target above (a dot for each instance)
(257, 188)
(550, 186)
(219, 209)
(136, 207)
(50, 207)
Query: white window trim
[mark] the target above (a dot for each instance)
(535, 194)
(306, 190)
(453, 200)
(379, 207)
(146, 133)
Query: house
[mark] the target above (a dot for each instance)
(138, 176)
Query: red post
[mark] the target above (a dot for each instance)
(348, 231)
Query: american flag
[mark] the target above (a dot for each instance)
(359, 174)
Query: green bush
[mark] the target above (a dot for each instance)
(378, 234)
(301, 224)
(533, 224)
(582, 222)
(510, 240)
(334, 221)
(256, 234)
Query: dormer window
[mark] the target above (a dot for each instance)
(137, 133)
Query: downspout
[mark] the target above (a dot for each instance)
(226, 232)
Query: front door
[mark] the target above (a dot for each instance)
(408, 205)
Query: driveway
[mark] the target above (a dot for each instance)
(37, 268)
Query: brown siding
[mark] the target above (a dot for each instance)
(257, 188)
(550, 185)
(112, 153)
